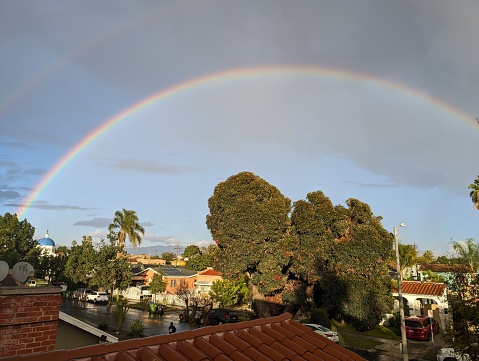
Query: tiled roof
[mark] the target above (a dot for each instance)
(209, 272)
(269, 339)
(444, 268)
(423, 288)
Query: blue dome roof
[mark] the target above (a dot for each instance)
(47, 241)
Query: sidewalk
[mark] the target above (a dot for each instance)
(389, 350)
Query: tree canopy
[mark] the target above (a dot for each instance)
(126, 222)
(344, 253)
(16, 240)
(249, 221)
(202, 260)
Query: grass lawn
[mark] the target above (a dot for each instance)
(350, 337)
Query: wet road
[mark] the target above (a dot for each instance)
(156, 325)
(97, 314)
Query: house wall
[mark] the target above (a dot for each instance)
(173, 283)
(28, 319)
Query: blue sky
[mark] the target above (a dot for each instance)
(385, 113)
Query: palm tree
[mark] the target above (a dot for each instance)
(474, 194)
(127, 223)
(469, 252)
(407, 256)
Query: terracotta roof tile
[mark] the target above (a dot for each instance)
(423, 288)
(270, 339)
(444, 268)
(209, 272)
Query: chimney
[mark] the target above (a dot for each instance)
(28, 319)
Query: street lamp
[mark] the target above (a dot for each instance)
(401, 302)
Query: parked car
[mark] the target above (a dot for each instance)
(219, 316)
(37, 282)
(77, 293)
(97, 297)
(144, 292)
(82, 293)
(421, 328)
(323, 331)
(449, 354)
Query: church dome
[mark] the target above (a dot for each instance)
(46, 241)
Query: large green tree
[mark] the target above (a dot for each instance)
(204, 259)
(249, 221)
(109, 271)
(81, 261)
(127, 224)
(344, 253)
(16, 241)
(191, 250)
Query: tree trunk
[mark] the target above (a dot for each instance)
(260, 305)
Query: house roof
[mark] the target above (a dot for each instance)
(209, 272)
(176, 272)
(423, 288)
(277, 338)
(444, 268)
(145, 271)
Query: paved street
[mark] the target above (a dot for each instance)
(96, 314)
(388, 350)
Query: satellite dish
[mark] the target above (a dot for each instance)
(22, 271)
(4, 267)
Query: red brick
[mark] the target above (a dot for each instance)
(41, 348)
(48, 343)
(34, 334)
(39, 303)
(33, 344)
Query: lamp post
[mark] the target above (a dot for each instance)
(401, 302)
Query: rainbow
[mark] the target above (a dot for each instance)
(229, 76)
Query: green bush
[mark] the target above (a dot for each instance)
(320, 316)
(136, 328)
(395, 321)
(103, 326)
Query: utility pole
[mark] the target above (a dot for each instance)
(177, 248)
(401, 302)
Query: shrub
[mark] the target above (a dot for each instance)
(103, 326)
(320, 316)
(136, 328)
(395, 321)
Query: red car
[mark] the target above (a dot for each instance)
(420, 327)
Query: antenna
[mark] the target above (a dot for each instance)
(22, 271)
(4, 267)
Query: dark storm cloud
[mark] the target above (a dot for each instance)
(8, 195)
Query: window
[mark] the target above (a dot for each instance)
(173, 283)
(182, 282)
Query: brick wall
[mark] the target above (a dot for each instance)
(28, 319)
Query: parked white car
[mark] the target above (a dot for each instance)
(448, 354)
(324, 331)
(97, 297)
